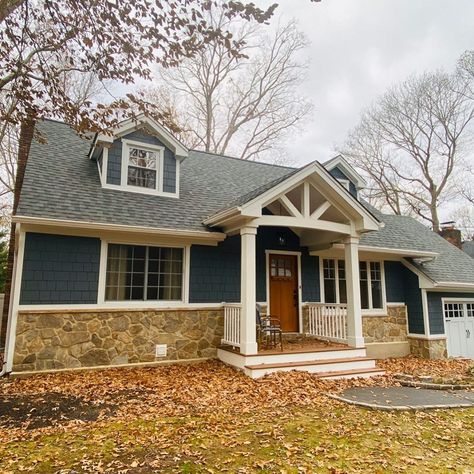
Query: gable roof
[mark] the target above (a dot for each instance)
(260, 197)
(129, 125)
(340, 162)
(61, 183)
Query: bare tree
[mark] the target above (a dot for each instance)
(243, 105)
(464, 219)
(412, 142)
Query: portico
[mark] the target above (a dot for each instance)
(320, 212)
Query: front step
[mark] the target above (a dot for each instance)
(320, 367)
(351, 374)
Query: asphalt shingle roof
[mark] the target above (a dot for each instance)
(62, 183)
(468, 247)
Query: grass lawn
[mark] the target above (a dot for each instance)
(209, 418)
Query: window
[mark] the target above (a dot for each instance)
(335, 287)
(136, 272)
(281, 268)
(142, 165)
(334, 273)
(459, 310)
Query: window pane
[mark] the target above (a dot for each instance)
(329, 272)
(141, 177)
(364, 286)
(125, 272)
(341, 269)
(142, 158)
(376, 284)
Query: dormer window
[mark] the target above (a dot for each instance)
(139, 156)
(142, 166)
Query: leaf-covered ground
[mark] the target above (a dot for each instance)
(209, 418)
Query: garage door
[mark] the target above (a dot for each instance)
(459, 324)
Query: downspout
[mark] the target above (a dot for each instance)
(12, 312)
(27, 130)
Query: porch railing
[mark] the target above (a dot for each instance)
(231, 324)
(328, 321)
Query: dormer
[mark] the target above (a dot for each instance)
(347, 176)
(139, 156)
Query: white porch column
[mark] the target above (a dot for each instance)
(354, 313)
(248, 333)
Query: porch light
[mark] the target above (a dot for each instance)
(281, 240)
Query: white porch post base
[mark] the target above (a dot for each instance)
(354, 313)
(355, 341)
(248, 332)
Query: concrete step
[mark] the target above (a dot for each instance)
(351, 374)
(313, 366)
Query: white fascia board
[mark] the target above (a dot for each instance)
(209, 236)
(348, 170)
(448, 285)
(388, 250)
(133, 124)
(425, 281)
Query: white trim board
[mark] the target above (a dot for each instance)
(72, 224)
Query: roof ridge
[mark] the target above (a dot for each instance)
(291, 168)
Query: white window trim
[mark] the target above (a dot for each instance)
(365, 312)
(102, 302)
(160, 152)
(345, 183)
(462, 301)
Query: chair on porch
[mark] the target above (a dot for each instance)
(269, 331)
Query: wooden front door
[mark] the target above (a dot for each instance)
(284, 290)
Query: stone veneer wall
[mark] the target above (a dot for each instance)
(68, 339)
(428, 348)
(390, 328)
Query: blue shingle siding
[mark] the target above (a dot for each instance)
(310, 276)
(114, 163)
(338, 174)
(215, 271)
(414, 303)
(60, 269)
(214, 275)
(394, 281)
(169, 172)
(435, 309)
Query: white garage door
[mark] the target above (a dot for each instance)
(459, 324)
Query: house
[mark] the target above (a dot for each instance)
(131, 249)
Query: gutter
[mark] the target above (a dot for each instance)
(212, 236)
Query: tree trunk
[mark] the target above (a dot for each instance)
(26, 137)
(434, 217)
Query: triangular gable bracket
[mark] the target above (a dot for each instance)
(308, 199)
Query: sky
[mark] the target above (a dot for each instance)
(359, 48)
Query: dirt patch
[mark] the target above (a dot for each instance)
(48, 409)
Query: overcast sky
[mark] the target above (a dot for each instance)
(360, 47)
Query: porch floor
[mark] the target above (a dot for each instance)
(294, 344)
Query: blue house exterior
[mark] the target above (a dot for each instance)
(132, 249)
